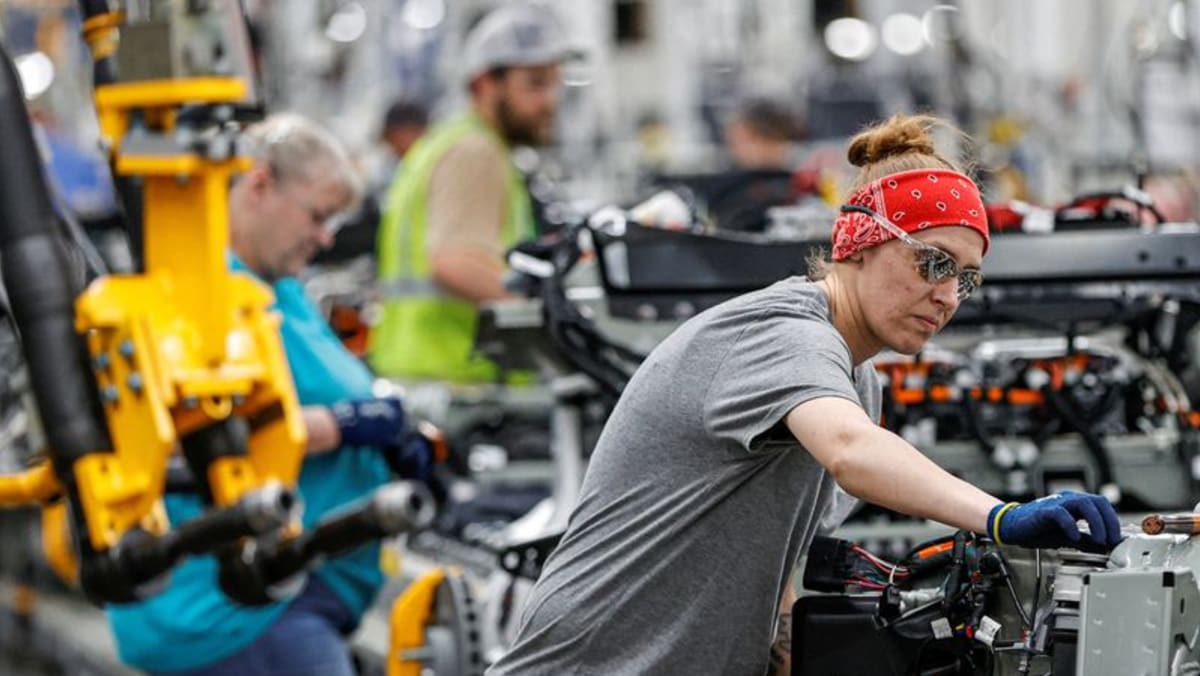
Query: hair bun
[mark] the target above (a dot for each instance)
(899, 135)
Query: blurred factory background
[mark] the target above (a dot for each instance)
(725, 121)
(1063, 97)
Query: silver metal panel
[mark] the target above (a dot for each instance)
(1135, 620)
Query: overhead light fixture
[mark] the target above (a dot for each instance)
(1145, 40)
(940, 24)
(850, 38)
(36, 71)
(423, 15)
(1177, 20)
(347, 24)
(903, 34)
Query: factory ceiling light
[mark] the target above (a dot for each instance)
(423, 14)
(903, 34)
(939, 24)
(850, 38)
(347, 24)
(1177, 20)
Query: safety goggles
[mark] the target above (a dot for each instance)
(934, 264)
(329, 221)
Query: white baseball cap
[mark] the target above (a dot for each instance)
(518, 34)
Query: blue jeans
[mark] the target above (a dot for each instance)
(307, 640)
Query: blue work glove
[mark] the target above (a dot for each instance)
(412, 458)
(1049, 522)
(419, 457)
(371, 422)
(383, 424)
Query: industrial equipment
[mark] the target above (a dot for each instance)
(1059, 374)
(982, 609)
(184, 353)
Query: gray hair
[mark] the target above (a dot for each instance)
(294, 146)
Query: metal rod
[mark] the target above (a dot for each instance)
(1186, 524)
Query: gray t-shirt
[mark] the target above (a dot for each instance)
(698, 501)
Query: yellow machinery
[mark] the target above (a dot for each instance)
(184, 353)
(411, 613)
(187, 347)
(434, 626)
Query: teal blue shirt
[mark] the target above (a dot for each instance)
(191, 623)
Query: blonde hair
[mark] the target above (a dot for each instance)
(899, 143)
(818, 263)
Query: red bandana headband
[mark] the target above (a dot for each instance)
(913, 200)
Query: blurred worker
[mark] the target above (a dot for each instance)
(761, 134)
(760, 137)
(458, 202)
(403, 124)
(732, 444)
(285, 208)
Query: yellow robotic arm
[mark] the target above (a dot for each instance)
(183, 353)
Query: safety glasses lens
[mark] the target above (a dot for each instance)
(936, 266)
(969, 282)
(334, 224)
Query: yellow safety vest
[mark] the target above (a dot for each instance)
(424, 333)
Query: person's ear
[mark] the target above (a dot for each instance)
(481, 86)
(258, 180)
(487, 87)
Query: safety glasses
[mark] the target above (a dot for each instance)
(330, 221)
(934, 264)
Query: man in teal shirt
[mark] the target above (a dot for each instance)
(282, 211)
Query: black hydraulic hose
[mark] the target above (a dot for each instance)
(996, 557)
(201, 448)
(1059, 403)
(128, 571)
(180, 478)
(974, 420)
(259, 574)
(609, 364)
(587, 353)
(41, 290)
(258, 512)
(103, 43)
(585, 350)
(953, 586)
(396, 508)
(1110, 399)
(575, 336)
(105, 65)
